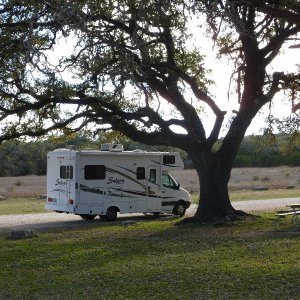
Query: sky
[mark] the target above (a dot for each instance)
(221, 72)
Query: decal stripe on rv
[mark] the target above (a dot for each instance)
(126, 176)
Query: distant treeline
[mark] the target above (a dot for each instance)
(269, 151)
(19, 158)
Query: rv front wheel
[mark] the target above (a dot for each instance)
(111, 214)
(179, 209)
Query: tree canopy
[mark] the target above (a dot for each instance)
(125, 60)
(128, 58)
(138, 67)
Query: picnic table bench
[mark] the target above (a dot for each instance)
(294, 211)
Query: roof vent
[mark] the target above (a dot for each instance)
(112, 147)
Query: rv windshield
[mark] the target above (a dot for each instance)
(169, 182)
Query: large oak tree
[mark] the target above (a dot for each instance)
(131, 66)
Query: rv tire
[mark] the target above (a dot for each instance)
(111, 214)
(88, 217)
(179, 209)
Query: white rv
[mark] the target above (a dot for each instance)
(110, 181)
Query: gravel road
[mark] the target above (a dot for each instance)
(50, 221)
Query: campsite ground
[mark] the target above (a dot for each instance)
(153, 258)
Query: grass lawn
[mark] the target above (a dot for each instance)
(12, 206)
(154, 260)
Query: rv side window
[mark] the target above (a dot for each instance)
(152, 175)
(140, 173)
(66, 172)
(94, 172)
(169, 159)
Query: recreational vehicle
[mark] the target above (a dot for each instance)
(110, 181)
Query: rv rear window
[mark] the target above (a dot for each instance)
(140, 173)
(66, 172)
(94, 172)
(169, 159)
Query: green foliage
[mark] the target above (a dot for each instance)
(269, 151)
(19, 158)
(243, 160)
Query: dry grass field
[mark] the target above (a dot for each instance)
(25, 186)
(241, 179)
(248, 178)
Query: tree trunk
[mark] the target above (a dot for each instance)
(214, 203)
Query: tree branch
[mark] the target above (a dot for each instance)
(276, 12)
(42, 131)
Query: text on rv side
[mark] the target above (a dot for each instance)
(115, 180)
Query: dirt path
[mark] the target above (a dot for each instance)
(50, 221)
(264, 205)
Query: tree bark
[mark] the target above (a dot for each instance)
(214, 173)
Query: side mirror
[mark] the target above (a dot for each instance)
(178, 186)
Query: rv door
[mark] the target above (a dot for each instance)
(153, 189)
(64, 183)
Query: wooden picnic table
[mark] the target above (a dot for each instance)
(294, 211)
(294, 206)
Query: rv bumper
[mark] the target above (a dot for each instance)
(60, 208)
